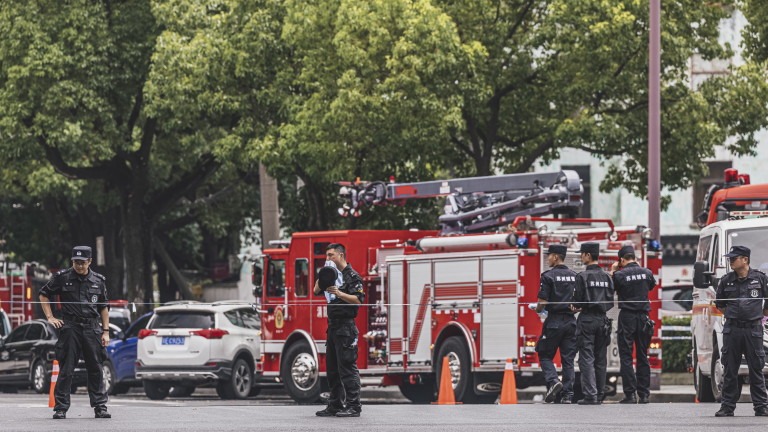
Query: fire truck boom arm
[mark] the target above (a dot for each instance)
(476, 204)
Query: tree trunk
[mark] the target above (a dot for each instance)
(317, 217)
(113, 260)
(167, 291)
(137, 249)
(176, 276)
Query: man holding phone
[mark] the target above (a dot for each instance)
(341, 346)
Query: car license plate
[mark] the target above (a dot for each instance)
(173, 340)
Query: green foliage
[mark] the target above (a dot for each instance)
(675, 352)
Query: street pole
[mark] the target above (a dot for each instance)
(270, 208)
(654, 119)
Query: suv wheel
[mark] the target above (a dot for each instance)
(238, 386)
(179, 390)
(300, 373)
(40, 380)
(156, 390)
(108, 374)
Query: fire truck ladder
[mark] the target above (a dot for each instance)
(476, 204)
(17, 285)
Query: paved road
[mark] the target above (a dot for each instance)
(29, 412)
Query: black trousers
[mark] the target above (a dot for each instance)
(341, 367)
(631, 334)
(77, 340)
(592, 341)
(559, 333)
(749, 342)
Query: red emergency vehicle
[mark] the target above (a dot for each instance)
(16, 291)
(430, 296)
(736, 197)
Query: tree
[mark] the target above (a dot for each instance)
(425, 89)
(130, 102)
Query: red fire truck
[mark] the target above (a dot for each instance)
(16, 291)
(463, 296)
(736, 197)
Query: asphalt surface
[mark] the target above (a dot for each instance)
(382, 410)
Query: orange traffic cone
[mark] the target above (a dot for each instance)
(54, 380)
(445, 396)
(508, 387)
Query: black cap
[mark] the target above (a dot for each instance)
(591, 248)
(557, 249)
(738, 251)
(626, 250)
(326, 277)
(82, 253)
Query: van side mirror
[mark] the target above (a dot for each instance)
(701, 277)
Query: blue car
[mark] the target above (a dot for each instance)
(120, 368)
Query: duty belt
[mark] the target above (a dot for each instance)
(79, 320)
(593, 311)
(335, 322)
(742, 323)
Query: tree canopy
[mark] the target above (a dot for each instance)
(144, 120)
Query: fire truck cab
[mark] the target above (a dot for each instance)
(736, 215)
(464, 297)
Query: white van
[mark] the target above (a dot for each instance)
(707, 322)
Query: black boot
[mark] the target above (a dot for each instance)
(629, 398)
(59, 415)
(761, 412)
(349, 412)
(101, 412)
(553, 391)
(327, 412)
(724, 412)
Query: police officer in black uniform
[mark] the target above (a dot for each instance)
(83, 329)
(739, 297)
(632, 284)
(559, 329)
(593, 298)
(341, 351)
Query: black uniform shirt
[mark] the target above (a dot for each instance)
(557, 286)
(594, 290)
(632, 283)
(353, 284)
(81, 296)
(750, 291)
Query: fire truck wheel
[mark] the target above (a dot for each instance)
(301, 373)
(701, 383)
(423, 393)
(460, 364)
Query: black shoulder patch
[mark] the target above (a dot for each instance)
(61, 272)
(99, 275)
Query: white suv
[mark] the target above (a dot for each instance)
(190, 344)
